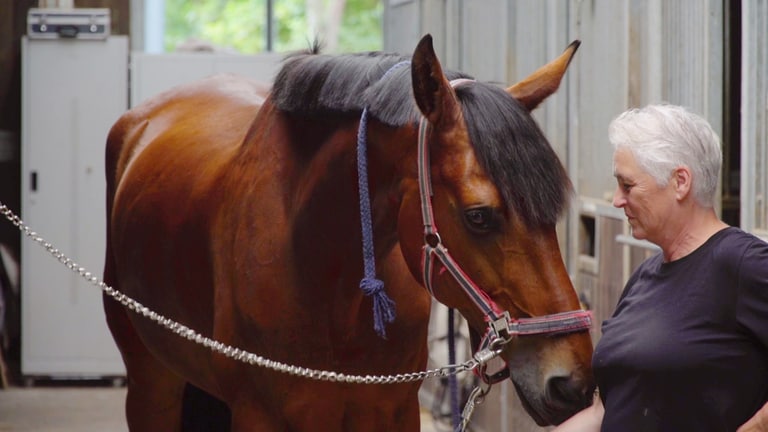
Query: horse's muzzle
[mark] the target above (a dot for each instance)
(564, 397)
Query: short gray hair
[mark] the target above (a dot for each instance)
(664, 137)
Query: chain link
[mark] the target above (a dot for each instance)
(237, 353)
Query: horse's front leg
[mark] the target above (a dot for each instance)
(251, 416)
(154, 401)
(154, 398)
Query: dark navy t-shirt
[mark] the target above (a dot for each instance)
(687, 346)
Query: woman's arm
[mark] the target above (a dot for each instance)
(758, 422)
(753, 310)
(589, 419)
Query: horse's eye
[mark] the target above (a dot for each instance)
(480, 219)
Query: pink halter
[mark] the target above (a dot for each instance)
(502, 328)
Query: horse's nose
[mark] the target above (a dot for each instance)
(568, 391)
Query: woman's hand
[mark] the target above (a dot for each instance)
(589, 419)
(758, 422)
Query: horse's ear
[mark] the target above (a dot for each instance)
(432, 91)
(541, 84)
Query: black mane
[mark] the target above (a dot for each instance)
(312, 84)
(507, 141)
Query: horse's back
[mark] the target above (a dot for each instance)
(211, 114)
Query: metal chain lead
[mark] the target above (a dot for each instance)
(236, 353)
(476, 397)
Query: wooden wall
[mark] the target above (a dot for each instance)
(754, 117)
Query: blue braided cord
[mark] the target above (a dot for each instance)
(383, 306)
(395, 67)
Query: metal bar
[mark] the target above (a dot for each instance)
(631, 241)
(269, 30)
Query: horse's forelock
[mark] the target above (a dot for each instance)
(515, 154)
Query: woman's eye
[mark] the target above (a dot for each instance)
(480, 219)
(624, 186)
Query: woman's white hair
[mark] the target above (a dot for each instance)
(664, 137)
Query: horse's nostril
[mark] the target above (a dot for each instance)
(565, 389)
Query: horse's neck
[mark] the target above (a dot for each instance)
(326, 223)
(318, 182)
(326, 199)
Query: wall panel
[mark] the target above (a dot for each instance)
(754, 117)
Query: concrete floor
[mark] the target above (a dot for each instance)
(62, 409)
(80, 409)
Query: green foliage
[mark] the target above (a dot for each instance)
(361, 28)
(240, 25)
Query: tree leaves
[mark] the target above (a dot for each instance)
(241, 25)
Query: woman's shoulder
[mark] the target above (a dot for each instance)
(733, 238)
(741, 250)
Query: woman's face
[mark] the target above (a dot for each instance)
(647, 205)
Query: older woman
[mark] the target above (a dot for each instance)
(687, 346)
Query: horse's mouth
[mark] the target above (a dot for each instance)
(549, 412)
(538, 418)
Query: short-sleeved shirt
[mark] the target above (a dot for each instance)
(687, 346)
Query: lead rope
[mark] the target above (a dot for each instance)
(479, 359)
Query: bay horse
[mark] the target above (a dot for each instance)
(234, 209)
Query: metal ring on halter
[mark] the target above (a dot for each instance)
(432, 239)
(497, 344)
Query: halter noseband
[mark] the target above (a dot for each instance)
(502, 328)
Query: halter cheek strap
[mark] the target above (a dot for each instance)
(502, 328)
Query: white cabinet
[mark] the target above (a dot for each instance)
(72, 93)
(155, 73)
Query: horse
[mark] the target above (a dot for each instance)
(234, 209)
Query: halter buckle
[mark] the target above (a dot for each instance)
(500, 331)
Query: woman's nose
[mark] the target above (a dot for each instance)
(618, 198)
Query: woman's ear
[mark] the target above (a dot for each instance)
(682, 181)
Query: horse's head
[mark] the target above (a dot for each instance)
(497, 191)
